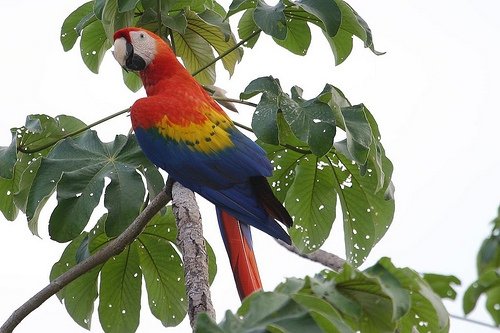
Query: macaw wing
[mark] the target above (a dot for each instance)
(216, 168)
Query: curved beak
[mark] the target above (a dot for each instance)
(124, 54)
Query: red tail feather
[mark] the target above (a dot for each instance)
(241, 255)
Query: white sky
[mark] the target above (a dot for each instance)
(434, 95)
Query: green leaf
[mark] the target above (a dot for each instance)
(381, 299)
(341, 45)
(175, 22)
(126, 5)
(367, 212)
(162, 269)
(264, 118)
(99, 8)
(298, 37)
(132, 80)
(326, 10)
(442, 284)
(78, 168)
(120, 292)
(113, 20)
(93, 45)
(239, 5)
(247, 27)
(79, 17)
(79, 295)
(358, 132)
(211, 27)
(38, 131)
(312, 121)
(488, 283)
(311, 201)
(7, 206)
(8, 157)
(195, 53)
(271, 19)
(427, 309)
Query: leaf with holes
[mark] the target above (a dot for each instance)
(247, 28)
(120, 292)
(77, 168)
(367, 212)
(39, 130)
(93, 45)
(298, 37)
(379, 299)
(311, 121)
(80, 17)
(78, 296)
(487, 284)
(162, 269)
(271, 19)
(442, 284)
(426, 308)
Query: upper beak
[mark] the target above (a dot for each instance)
(122, 51)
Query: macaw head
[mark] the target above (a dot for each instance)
(135, 48)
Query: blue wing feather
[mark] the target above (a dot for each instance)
(221, 177)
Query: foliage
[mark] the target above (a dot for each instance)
(488, 271)
(152, 255)
(313, 170)
(382, 298)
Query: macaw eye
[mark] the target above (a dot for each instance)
(141, 35)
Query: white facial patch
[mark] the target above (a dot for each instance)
(144, 45)
(120, 51)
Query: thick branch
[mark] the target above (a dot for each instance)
(113, 248)
(324, 258)
(192, 246)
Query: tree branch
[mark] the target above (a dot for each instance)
(113, 248)
(192, 246)
(324, 258)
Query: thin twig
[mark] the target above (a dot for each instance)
(113, 248)
(27, 150)
(194, 254)
(473, 321)
(324, 258)
(234, 100)
(241, 42)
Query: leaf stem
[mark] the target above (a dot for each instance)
(27, 150)
(222, 55)
(234, 100)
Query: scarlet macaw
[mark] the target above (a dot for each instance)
(182, 130)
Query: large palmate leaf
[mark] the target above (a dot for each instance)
(311, 171)
(380, 299)
(151, 256)
(311, 121)
(76, 168)
(288, 23)
(22, 157)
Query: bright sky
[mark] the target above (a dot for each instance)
(434, 95)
